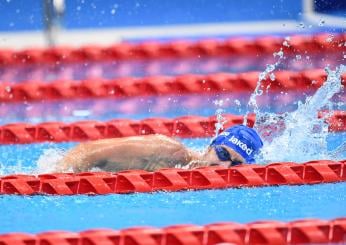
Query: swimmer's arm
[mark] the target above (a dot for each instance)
(126, 153)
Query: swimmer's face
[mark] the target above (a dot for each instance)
(233, 158)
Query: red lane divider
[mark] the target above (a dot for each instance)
(175, 49)
(172, 179)
(306, 231)
(158, 85)
(183, 127)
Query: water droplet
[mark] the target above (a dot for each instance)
(272, 76)
(218, 102)
(329, 38)
(270, 68)
(286, 41)
(321, 22)
(220, 121)
(298, 57)
(261, 76)
(301, 25)
(280, 54)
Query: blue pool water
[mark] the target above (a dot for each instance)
(76, 213)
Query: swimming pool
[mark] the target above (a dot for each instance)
(77, 213)
(40, 213)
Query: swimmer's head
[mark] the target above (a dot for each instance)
(240, 139)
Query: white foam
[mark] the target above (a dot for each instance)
(49, 160)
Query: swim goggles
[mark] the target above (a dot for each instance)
(224, 155)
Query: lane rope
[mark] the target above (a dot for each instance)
(316, 43)
(159, 85)
(183, 127)
(305, 231)
(155, 67)
(173, 179)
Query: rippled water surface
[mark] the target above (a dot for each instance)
(76, 213)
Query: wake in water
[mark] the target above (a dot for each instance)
(48, 161)
(301, 135)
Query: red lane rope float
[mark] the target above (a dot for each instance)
(176, 49)
(306, 231)
(183, 127)
(158, 85)
(172, 179)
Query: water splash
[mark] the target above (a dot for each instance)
(300, 135)
(48, 161)
(220, 121)
(269, 71)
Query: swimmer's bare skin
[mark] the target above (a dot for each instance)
(149, 152)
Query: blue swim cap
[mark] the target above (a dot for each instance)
(242, 139)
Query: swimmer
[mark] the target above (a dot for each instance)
(235, 145)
